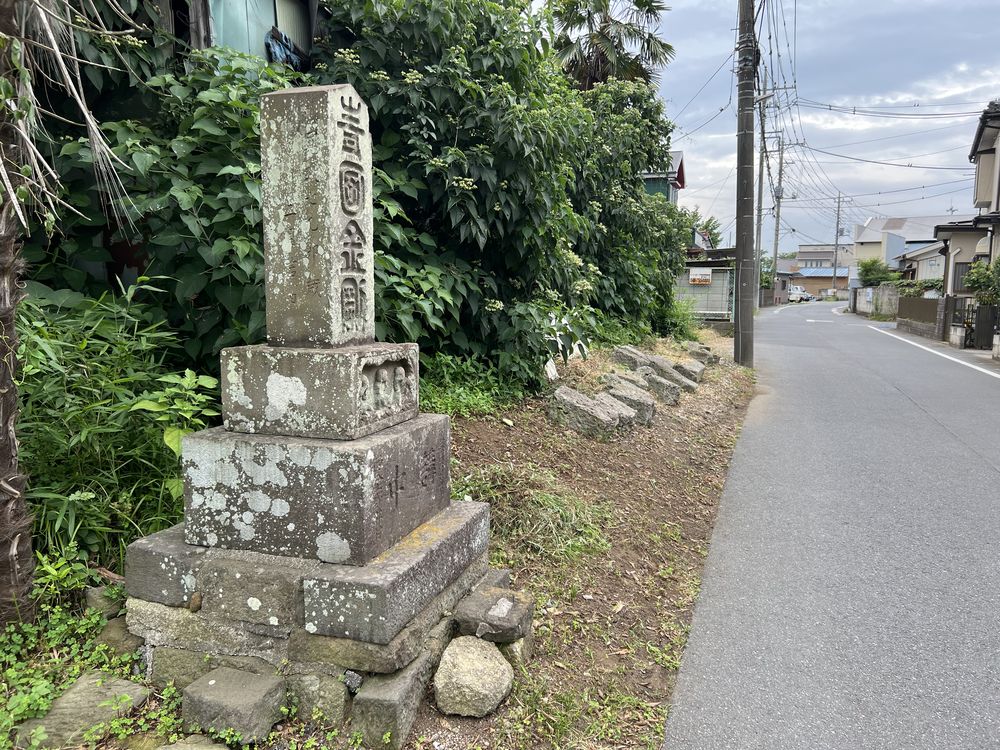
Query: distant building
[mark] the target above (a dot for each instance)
(894, 240)
(822, 256)
(670, 182)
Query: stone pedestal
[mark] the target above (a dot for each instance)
(319, 534)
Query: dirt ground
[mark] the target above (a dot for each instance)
(610, 539)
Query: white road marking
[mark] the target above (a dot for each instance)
(810, 320)
(940, 354)
(790, 304)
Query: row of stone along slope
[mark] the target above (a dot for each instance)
(631, 392)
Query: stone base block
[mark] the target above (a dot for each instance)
(231, 699)
(373, 603)
(386, 705)
(636, 398)
(308, 652)
(583, 414)
(343, 393)
(693, 370)
(495, 614)
(181, 628)
(336, 501)
(182, 666)
(163, 568)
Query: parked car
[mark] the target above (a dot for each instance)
(799, 294)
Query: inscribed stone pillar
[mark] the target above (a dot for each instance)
(316, 163)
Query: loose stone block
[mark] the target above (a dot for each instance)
(519, 653)
(94, 698)
(251, 587)
(635, 398)
(499, 577)
(336, 501)
(666, 391)
(320, 693)
(177, 627)
(318, 259)
(701, 353)
(626, 414)
(343, 393)
(375, 602)
(182, 666)
(670, 375)
(228, 698)
(163, 568)
(326, 654)
(573, 409)
(386, 705)
(96, 597)
(692, 370)
(472, 679)
(630, 356)
(495, 614)
(116, 637)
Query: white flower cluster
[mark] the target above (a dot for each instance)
(413, 77)
(347, 56)
(378, 75)
(493, 305)
(582, 287)
(464, 183)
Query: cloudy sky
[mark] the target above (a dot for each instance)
(911, 62)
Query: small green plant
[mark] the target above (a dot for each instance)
(59, 580)
(465, 387)
(875, 271)
(679, 320)
(984, 280)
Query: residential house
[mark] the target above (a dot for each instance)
(823, 256)
(818, 280)
(987, 184)
(894, 240)
(963, 244)
(783, 279)
(922, 261)
(670, 182)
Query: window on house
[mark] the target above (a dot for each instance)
(961, 269)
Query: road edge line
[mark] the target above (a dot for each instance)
(940, 354)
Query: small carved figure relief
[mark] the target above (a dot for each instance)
(399, 386)
(365, 396)
(352, 188)
(383, 389)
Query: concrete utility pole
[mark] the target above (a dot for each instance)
(836, 246)
(778, 193)
(745, 274)
(758, 250)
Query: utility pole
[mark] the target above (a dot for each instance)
(745, 274)
(778, 193)
(836, 246)
(758, 250)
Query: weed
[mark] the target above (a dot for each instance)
(465, 387)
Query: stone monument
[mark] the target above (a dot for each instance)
(319, 543)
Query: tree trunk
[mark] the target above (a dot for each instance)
(17, 561)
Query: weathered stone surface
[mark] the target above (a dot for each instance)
(551, 373)
(665, 390)
(163, 568)
(183, 666)
(320, 694)
(326, 654)
(472, 679)
(338, 501)
(319, 264)
(251, 587)
(519, 653)
(180, 628)
(115, 636)
(495, 614)
(671, 375)
(96, 597)
(637, 399)
(194, 742)
(630, 356)
(701, 353)
(232, 699)
(692, 370)
(499, 577)
(386, 705)
(353, 681)
(583, 414)
(92, 699)
(375, 602)
(343, 393)
(626, 414)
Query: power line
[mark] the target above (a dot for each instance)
(860, 112)
(901, 135)
(883, 163)
(704, 85)
(898, 190)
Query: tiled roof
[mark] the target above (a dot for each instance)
(819, 273)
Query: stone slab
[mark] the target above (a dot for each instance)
(665, 390)
(96, 597)
(163, 568)
(495, 614)
(342, 393)
(386, 705)
(227, 698)
(318, 259)
(182, 666)
(375, 602)
(177, 627)
(116, 637)
(692, 369)
(626, 415)
(636, 398)
(336, 501)
(671, 375)
(308, 652)
(702, 353)
(253, 587)
(519, 653)
(320, 697)
(583, 414)
(94, 698)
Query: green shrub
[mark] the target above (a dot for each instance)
(100, 472)
(916, 288)
(984, 280)
(465, 387)
(679, 320)
(874, 271)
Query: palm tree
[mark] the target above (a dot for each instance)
(602, 39)
(38, 53)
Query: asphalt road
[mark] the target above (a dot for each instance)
(851, 596)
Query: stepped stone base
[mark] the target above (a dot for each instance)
(336, 501)
(344, 393)
(225, 699)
